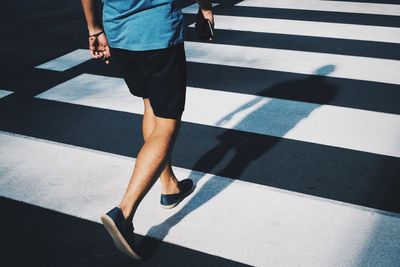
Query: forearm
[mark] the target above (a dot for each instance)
(91, 9)
(204, 4)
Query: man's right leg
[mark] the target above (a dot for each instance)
(150, 162)
(169, 183)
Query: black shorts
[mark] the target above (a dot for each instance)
(159, 75)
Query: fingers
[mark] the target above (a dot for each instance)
(208, 14)
(97, 54)
(99, 49)
(107, 55)
(108, 51)
(102, 53)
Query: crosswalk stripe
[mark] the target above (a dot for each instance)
(67, 61)
(356, 129)
(308, 28)
(86, 183)
(345, 66)
(329, 6)
(300, 87)
(193, 9)
(4, 93)
(350, 67)
(79, 238)
(345, 175)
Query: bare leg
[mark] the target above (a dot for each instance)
(150, 163)
(169, 183)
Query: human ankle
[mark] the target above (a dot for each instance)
(126, 211)
(169, 186)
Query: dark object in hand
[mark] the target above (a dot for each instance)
(204, 27)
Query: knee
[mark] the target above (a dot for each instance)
(168, 127)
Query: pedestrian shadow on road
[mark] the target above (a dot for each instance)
(295, 100)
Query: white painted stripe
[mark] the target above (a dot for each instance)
(361, 130)
(251, 223)
(350, 67)
(4, 93)
(308, 28)
(67, 61)
(193, 9)
(332, 6)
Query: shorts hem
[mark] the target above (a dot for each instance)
(168, 115)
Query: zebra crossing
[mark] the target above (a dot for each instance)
(4, 93)
(332, 6)
(322, 124)
(282, 179)
(309, 28)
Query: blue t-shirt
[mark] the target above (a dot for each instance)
(139, 25)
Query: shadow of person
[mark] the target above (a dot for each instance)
(254, 134)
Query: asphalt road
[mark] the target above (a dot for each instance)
(291, 131)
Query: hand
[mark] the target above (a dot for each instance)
(208, 14)
(205, 25)
(98, 47)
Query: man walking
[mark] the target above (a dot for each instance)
(144, 38)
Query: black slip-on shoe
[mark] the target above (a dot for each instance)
(169, 201)
(121, 231)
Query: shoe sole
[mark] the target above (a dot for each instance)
(117, 237)
(182, 198)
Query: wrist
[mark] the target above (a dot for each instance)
(206, 12)
(96, 34)
(94, 30)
